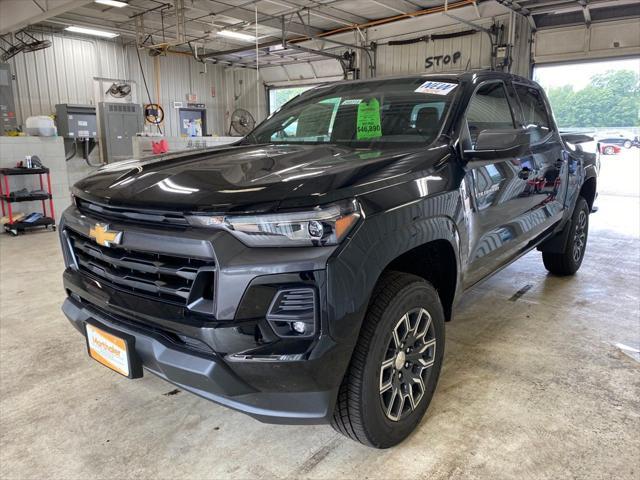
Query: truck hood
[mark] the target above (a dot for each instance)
(255, 178)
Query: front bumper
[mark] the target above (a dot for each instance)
(232, 357)
(210, 377)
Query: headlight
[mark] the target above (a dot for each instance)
(319, 227)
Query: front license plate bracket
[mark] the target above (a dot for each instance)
(113, 349)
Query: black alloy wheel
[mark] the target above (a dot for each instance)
(407, 364)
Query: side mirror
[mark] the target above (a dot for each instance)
(496, 144)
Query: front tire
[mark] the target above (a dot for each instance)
(627, 144)
(609, 151)
(568, 262)
(395, 364)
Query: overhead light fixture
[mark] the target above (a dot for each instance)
(112, 3)
(237, 35)
(91, 31)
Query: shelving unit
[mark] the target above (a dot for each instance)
(7, 200)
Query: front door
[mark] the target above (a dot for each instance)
(501, 212)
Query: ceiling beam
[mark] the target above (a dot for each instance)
(249, 15)
(398, 6)
(325, 11)
(325, 35)
(23, 13)
(66, 21)
(314, 12)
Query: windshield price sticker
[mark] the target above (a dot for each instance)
(368, 123)
(352, 101)
(436, 88)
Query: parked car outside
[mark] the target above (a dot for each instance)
(610, 149)
(622, 141)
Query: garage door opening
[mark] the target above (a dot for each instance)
(602, 99)
(280, 96)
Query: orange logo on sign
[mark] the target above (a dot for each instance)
(105, 346)
(105, 237)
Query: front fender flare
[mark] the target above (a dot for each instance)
(354, 271)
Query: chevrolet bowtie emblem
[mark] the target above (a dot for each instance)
(105, 237)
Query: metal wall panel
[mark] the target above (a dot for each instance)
(243, 90)
(221, 89)
(64, 74)
(233, 88)
(475, 50)
(60, 74)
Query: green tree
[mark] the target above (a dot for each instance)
(612, 99)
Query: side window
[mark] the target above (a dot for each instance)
(288, 129)
(534, 111)
(489, 109)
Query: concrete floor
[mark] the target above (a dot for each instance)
(534, 387)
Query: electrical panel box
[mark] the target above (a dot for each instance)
(119, 123)
(502, 54)
(76, 121)
(8, 120)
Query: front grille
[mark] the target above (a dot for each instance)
(155, 217)
(165, 277)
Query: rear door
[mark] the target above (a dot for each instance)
(548, 178)
(500, 218)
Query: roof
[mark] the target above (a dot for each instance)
(185, 25)
(460, 76)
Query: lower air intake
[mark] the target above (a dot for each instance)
(293, 312)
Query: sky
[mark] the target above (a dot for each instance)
(578, 74)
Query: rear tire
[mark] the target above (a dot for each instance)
(609, 151)
(627, 144)
(395, 365)
(568, 262)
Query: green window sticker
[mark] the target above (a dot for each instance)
(368, 122)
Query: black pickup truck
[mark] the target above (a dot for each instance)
(305, 274)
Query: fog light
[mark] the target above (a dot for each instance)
(299, 327)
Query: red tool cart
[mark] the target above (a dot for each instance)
(8, 198)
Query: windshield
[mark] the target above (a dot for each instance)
(378, 113)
